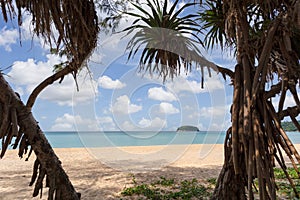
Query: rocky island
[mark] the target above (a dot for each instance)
(187, 128)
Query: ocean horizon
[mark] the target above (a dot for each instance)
(89, 139)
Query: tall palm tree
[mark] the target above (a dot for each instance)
(76, 25)
(265, 37)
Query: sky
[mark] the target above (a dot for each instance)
(113, 94)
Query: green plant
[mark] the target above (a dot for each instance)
(212, 181)
(164, 189)
(164, 181)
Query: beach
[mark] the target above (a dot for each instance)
(97, 177)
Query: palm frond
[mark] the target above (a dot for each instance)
(213, 22)
(168, 42)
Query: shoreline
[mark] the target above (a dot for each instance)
(105, 179)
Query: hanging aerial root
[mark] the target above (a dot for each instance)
(14, 122)
(293, 90)
(9, 127)
(39, 181)
(257, 156)
(282, 139)
(5, 120)
(18, 138)
(295, 121)
(282, 133)
(51, 183)
(6, 141)
(35, 172)
(235, 117)
(228, 145)
(283, 94)
(23, 147)
(8, 124)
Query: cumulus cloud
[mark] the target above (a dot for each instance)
(106, 123)
(69, 122)
(218, 111)
(123, 105)
(28, 74)
(167, 108)
(181, 84)
(158, 93)
(153, 124)
(107, 83)
(145, 125)
(8, 37)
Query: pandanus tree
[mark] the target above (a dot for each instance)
(168, 40)
(264, 36)
(70, 28)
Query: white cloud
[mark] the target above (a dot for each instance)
(123, 105)
(105, 120)
(28, 74)
(67, 94)
(181, 84)
(167, 108)
(69, 122)
(215, 111)
(8, 37)
(31, 72)
(145, 124)
(107, 83)
(158, 93)
(153, 124)
(106, 123)
(127, 126)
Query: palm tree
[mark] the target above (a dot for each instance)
(168, 41)
(265, 37)
(76, 23)
(262, 33)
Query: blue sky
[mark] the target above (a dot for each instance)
(113, 95)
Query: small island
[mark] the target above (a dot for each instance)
(187, 128)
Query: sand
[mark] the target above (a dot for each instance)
(102, 173)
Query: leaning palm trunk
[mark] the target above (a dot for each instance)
(18, 121)
(76, 26)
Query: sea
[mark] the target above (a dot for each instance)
(119, 138)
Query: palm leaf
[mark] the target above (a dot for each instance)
(164, 48)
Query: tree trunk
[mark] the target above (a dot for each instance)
(47, 163)
(256, 138)
(229, 185)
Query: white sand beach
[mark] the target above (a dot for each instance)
(97, 177)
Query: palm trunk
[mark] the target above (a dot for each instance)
(47, 163)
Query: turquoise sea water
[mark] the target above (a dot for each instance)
(117, 138)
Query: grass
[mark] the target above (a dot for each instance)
(284, 188)
(164, 189)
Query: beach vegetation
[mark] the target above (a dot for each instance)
(212, 181)
(285, 190)
(165, 188)
(289, 126)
